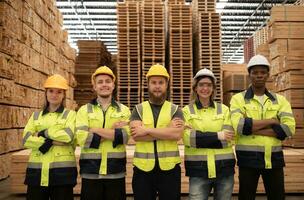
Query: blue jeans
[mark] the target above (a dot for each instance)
(200, 188)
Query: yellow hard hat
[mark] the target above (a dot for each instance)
(157, 70)
(103, 70)
(56, 81)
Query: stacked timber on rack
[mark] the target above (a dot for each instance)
(32, 47)
(180, 52)
(207, 40)
(153, 40)
(128, 57)
(235, 80)
(248, 48)
(92, 54)
(294, 180)
(286, 44)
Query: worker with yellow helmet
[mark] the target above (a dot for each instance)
(262, 119)
(102, 133)
(209, 157)
(51, 171)
(156, 126)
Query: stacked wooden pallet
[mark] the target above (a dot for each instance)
(205, 5)
(153, 39)
(207, 40)
(180, 53)
(32, 47)
(294, 181)
(128, 58)
(92, 54)
(286, 44)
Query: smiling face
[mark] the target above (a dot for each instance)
(104, 85)
(204, 88)
(157, 88)
(258, 76)
(55, 96)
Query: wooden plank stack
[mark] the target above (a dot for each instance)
(294, 180)
(207, 40)
(235, 80)
(286, 44)
(32, 47)
(92, 54)
(153, 39)
(180, 53)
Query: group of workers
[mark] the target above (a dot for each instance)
(255, 124)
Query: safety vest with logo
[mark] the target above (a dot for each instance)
(257, 151)
(99, 155)
(205, 155)
(167, 150)
(58, 165)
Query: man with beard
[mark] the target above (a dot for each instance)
(262, 120)
(156, 126)
(102, 133)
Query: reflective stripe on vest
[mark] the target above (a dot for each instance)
(204, 157)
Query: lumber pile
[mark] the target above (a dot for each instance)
(164, 32)
(286, 45)
(128, 57)
(207, 40)
(180, 52)
(294, 181)
(235, 80)
(32, 47)
(248, 48)
(92, 54)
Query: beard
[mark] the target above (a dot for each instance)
(158, 100)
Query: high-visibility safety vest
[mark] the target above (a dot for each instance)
(58, 165)
(101, 156)
(260, 151)
(167, 150)
(205, 154)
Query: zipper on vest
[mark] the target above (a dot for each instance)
(104, 118)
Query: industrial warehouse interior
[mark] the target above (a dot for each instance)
(73, 38)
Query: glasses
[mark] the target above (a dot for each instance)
(208, 85)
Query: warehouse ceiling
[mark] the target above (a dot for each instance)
(96, 19)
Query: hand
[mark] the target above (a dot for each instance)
(176, 123)
(119, 124)
(188, 126)
(136, 123)
(138, 131)
(225, 135)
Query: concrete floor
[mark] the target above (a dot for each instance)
(6, 195)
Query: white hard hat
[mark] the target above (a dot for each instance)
(205, 72)
(258, 60)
